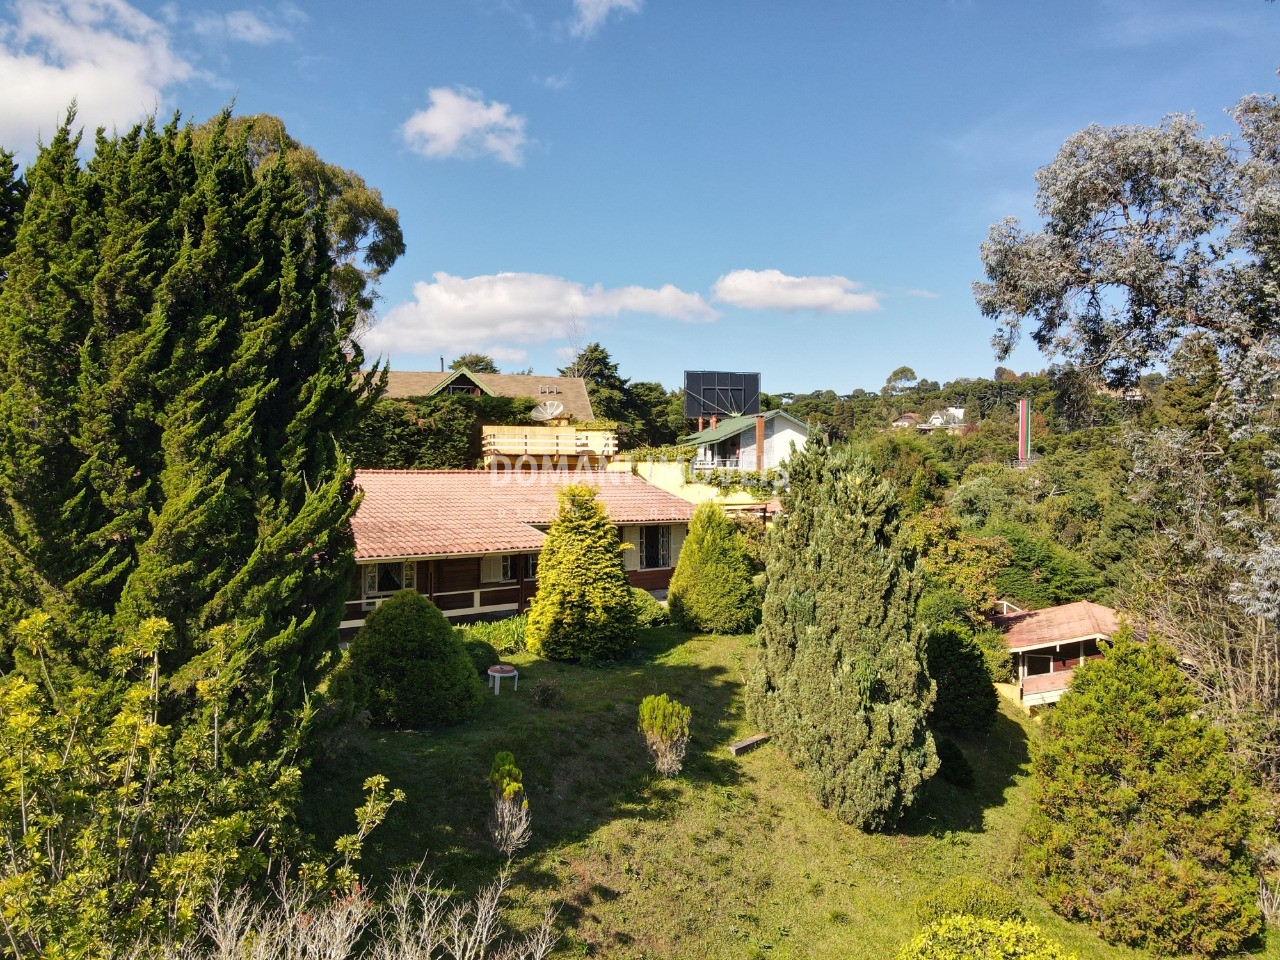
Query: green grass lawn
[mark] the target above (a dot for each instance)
(731, 860)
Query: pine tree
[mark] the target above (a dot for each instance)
(583, 609)
(841, 681)
(712, 590)
(1141, 821)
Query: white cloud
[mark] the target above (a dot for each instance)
(590, 15)
(774, 290)
(256, 27)
(113, 60)
(505, 312)
(556, 82)
(925, 294)
(461, 123)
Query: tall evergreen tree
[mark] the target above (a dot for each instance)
(841, 680)
(1141, 822)
(13, 197)
(584, 609)
(711, 589)
(175, 384)
(609, 391)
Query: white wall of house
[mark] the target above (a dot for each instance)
(779, 434)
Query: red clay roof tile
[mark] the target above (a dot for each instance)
(1071, 621)
(420, 513)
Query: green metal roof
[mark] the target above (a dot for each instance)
(733, 426)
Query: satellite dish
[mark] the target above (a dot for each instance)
(546, 410)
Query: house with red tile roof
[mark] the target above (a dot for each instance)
(469, 539)
(1047, 645)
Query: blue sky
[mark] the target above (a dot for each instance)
(797, 187)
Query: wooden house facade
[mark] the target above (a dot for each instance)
(469, 539)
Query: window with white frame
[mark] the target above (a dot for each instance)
(655, 548)
(384, 579)
(495, 569)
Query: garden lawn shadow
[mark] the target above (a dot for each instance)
(998, 759)
(584, 762)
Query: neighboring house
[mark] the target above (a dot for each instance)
(556, 441)
(908, 421)
(950, 419)
(569, 392)
(754, 443)
(1047, 645)
(469, 539)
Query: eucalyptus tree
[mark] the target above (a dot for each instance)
(1155, 239)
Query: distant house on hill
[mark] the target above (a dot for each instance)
(1047, 645)
(761, 442)
(554, 441)
(907, 421)
(949, 419)
(569, 392)
(469, 539)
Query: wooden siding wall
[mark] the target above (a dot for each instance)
(460, 574)
(448, 582)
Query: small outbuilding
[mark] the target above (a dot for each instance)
(1047, 645)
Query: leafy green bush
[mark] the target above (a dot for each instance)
(1141, 820)
(412, 667)
(961, 937)
(665, 725)
(953, 765)
(711, 589)
(584, 608)
(971, 896)
(482, 654)
(507, 636)
(649, 610)
(998, 655)
(505, 778)
(966, 702)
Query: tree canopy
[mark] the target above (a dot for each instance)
(176, 381)
(476, 363)
(365, 238)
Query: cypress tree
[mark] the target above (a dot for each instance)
(584, 609)
(967, 703)
(13, 197)
(711, 590)
(175, 385)
(1141, 823)
(841, 681)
